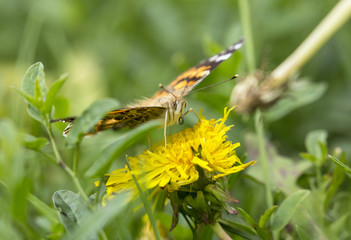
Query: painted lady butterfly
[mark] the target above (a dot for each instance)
(167, 103)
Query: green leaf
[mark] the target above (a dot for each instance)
(324, 150)
(89, 226)
(86, 122)
(247, 218)
(54, 89)
(34, 72)
(117, 148)
(242, 230)
(38, 93)
(341, 164)
(302, 93)
(28, 98)
(71, 207)
(283, 170)
(253, 224)
(33, 104)
(34, 143)
(34, 113)
(340, 223)
(267, 214)
(308, 157)
(43, 208)
(287, 209)
(313, 143)
(338, 178)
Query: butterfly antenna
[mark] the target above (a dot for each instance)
(235, 76)
(161, 86)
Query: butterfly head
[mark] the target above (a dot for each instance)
(175, 111)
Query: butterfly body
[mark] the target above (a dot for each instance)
(168, 103)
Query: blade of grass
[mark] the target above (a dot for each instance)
(43, 208)
(146, 205)
(340, 164)
(244, 8)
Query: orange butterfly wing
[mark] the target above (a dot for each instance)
(153, 108)
(188, 80)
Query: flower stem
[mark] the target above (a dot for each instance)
(64, 166)
(263, 156)
(264, 161)
(221, 234)
(246, 21)
(327, 27)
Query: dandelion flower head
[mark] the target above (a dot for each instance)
(189, 153)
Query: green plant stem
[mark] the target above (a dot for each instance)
(245, 15)
(54, 147)
(146, 205)
(327, 27)
(263, 156)
(264, 161)
(64, 166)
(75, 159)
(221, 234)
(189, 224)
(48, 156)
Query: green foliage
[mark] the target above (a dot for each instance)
(34, 91)
(341, 165)
(302, 93)
(34, 143)
(122, 50)
(259, 231)
(287, 209)
(71, 207)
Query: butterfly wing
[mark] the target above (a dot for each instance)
(188, 80)
(153, 108)
(129, 117)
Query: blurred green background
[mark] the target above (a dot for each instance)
(124, 49)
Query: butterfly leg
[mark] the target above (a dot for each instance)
(165, 128)
(192, 110)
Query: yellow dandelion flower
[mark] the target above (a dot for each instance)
(189, 153)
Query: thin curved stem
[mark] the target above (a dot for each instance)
(64, 166)
(319, 36)
(221, 234)
(245, 15)
(263, 156)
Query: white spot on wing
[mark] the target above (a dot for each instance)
(213, 58)
(236, 46)
(224, 55)
(220, 58)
